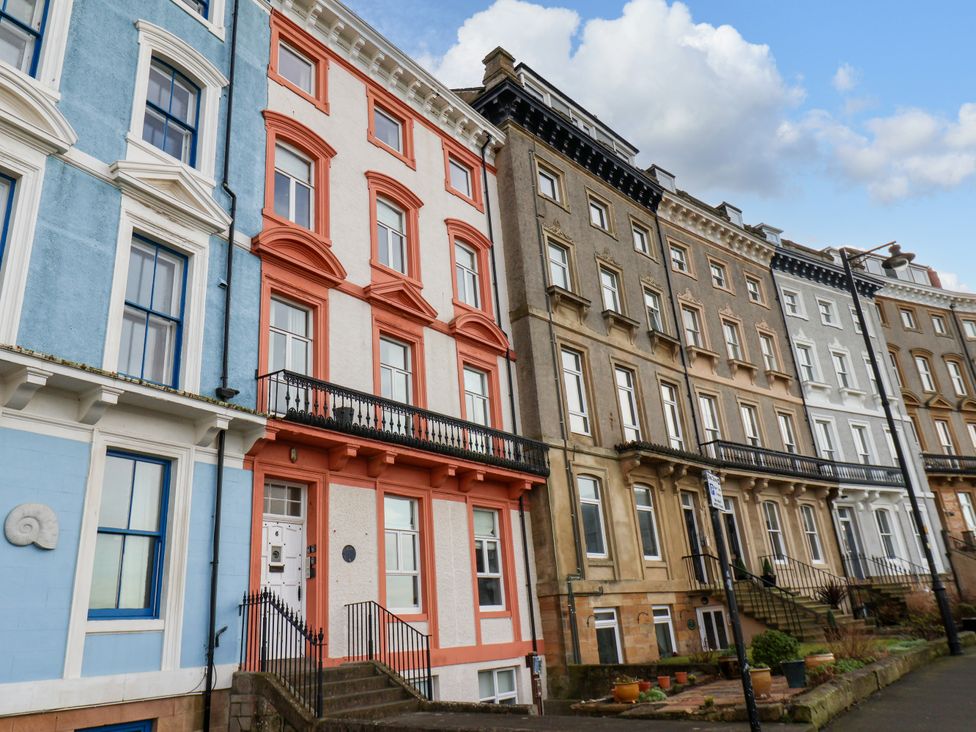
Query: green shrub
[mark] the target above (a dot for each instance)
(926, 625)
(652, 695)
(906, 645)
(966, 610)
(846, 665)
(821, 674)
(772, 647)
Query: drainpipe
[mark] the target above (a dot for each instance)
(570, 480)
(536, 682)
(224, 392)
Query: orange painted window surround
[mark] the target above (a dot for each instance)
(397, 110)
(285, 31)
(466, 159)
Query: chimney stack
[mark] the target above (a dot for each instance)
(499, 64)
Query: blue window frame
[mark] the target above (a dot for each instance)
(152, 324)
(129, 551)
(7, 185)
(144, 725)
(21, 32)
(172, 109)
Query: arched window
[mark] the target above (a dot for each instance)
(395, 238)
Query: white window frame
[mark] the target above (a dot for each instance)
(944, 433)
(679, 263)
(796, 310)
(647, 510)
(575, 378)
(841, 362)
(828, 312)
(750, 424)
(601, 517)
(309, 340)
(672, 416)
(641, 237)
(698, 338)
(863, 443)
(889, 534)
(893, 361)
(414, 536)
(969, 329)
(627, 400)
(396, 371)
(610, 289)
(379, 110)
(652, 304)
(282, 43)
(908, 319)
(807, 366)
(472, 398)
(548, 173)
(808, 520)
(602, 210)
(665, 611)
(755, 294)
(599, 624)
(826, 435)
(924, 368)
(453, 164)
(170, 620)
(939, 329)
(465, 276)
(711, 424)
(294, 182)
(562, 266)
(767, 346)
(214, 23)
(956, 377)
(50, 60)
(733, 340)
(719, 275)
(194, 244)
(780, 553)
(485, 540)
(971, 429)
(499, 697)
(787, 432)
(157, 42)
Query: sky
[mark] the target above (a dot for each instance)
(842, 123)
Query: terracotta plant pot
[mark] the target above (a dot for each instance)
(681, 677)
(644, 686)
(818, 659)
(626, 693)
(664, 682)
(762, 682)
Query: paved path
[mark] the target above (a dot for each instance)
(940, 696)
(516, 723)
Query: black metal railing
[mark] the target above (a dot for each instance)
(318, 403)
(817, 584)
(955, 464)
(755, 595)
(373, 633)
(967, 544)
(886, 571)
(733, 454)
(276, 639)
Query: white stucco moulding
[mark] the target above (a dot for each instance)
(31, 115)
(32, 523)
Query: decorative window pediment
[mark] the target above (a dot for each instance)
(938, 402)
(401, 296)
(479, 328)
(28, 113)
(299, 249)
(173, 191)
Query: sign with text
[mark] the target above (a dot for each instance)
(714, 484)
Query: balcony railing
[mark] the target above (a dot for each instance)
(302, 399)
(732, 454)
(953, 464)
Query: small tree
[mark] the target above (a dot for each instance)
(772, 647)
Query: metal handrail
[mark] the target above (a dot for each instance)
(733, 454)
(300, 398)
(816, 582)
(959, 464)
(776, 604)
(886, 570)
(966, 545)
(276, 639)
(373, 633)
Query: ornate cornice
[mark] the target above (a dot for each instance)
(929, 296)
(681, 212)
(508, 101)
(823, 273)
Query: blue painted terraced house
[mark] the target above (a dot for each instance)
(126, 395)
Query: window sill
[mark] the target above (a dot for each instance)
(470, 200)
(493, 614)
(849, 391)
(773, 375)
(696, 352)
(319, 104)
(619, 320)
(562, 297)
(600, 561)
(737, 364)
(660, 339)
(555, 202)
(817, 385)
(402, 157)
(217, 30)
(124, 625)
(146, 153)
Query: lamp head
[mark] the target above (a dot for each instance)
(897, 259)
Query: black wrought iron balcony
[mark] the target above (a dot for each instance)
(736, 455)
(949, 464)
(309, 401)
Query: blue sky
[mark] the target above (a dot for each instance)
(843, 123)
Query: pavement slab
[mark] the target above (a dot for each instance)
(518, 723)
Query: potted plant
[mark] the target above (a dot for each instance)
(643, 686)
(795, 672)
(762, 680)
(768, 576)
(664, 682)
(832, 593)
(344, 415)
(728, 663)
(681, 677)
(818, 657)
(626, 689)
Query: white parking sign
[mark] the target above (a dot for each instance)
(714, 484)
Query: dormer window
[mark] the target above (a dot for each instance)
(172, 103)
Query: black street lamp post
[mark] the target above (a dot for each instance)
(898, 260)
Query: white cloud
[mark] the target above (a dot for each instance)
(908, 153)
(951, 281)
(845, 78)
(697, 99)
(712, 107)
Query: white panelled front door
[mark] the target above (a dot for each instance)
(283, 543)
